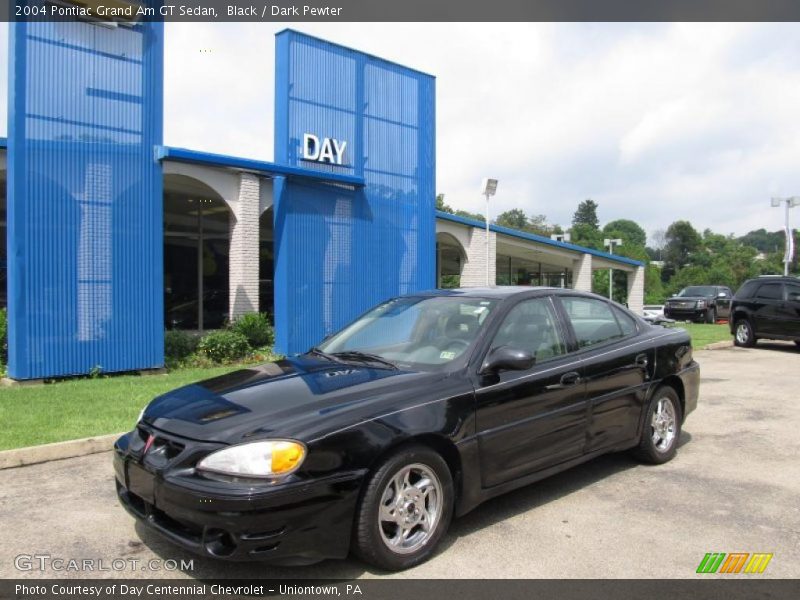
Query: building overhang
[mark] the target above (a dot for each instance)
(264, 168)
(517, 238)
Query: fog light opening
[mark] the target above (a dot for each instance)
(219, 542)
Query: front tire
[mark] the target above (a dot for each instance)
(743, 334)
(405, 510)
(711, 315)
(662, 428)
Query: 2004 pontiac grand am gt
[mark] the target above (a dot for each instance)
(419, 410)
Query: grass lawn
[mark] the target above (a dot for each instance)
(703, 334)
(79, 408)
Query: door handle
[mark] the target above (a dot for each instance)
(567, 380)
(571, 378)
(641, 361)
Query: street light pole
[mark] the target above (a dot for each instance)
(788, 254)
(610, 243)
(488, 188)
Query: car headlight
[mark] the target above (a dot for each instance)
(256, 459)
(701, 304)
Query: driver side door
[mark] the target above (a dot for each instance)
(534, 419)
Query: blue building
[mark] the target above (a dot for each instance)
(111, 236)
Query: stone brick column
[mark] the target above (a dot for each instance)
(582, 275)
(636, 291)
(474, 272)
(244, 247)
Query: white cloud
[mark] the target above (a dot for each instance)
(654, 121)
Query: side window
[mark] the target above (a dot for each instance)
(592, 320)
(626, 322)
(531, 325)
(746, 291)
(793, 292)
(770, 291)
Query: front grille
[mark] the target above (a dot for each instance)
(162, 449)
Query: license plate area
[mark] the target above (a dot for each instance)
(141, 482)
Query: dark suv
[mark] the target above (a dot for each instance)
(767, 307)
(700, 303)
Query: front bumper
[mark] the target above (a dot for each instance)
(297, 522)
(684, 313)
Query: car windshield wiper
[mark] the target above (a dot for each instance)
(365, 356)
(317, 352)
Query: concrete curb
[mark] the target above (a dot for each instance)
(719, 345)
(20, 457)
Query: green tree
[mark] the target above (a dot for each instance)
(514, 218)
(441, 206)
(586, 235)
(629, 231)
(586, 214)
(682, 241)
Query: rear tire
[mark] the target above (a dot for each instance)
(743, 334)
(405, 510)
(662, 428)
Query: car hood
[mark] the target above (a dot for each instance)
(689, 298)
(300, 397)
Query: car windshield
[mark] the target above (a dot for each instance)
(698, 290)
(419, 332)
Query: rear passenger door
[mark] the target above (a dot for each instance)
(790, 310)
(616, 369)
(766, 305)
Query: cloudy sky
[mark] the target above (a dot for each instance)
(656, 122)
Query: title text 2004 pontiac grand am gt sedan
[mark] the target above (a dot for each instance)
(420, 410)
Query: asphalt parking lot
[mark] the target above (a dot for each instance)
(734, 487)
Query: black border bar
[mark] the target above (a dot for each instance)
(414, 10)
(733, 587)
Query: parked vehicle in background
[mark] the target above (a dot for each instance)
(418, 411)
(653, 312)
(704, 303)
(767, 307)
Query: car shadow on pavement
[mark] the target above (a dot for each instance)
(543, 492)
(788, 347)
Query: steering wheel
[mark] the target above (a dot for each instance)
(460, 345)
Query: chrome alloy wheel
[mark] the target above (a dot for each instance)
(742, 332)
(664, 423)
(410, 507)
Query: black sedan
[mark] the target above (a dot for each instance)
(417, 412)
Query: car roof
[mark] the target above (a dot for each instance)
(500, 292)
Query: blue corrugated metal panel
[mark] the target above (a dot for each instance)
(84, 199)
(249, 164)
(339, 249)
(538, 239)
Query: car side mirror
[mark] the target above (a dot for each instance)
(722, 295)
(507, 358)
